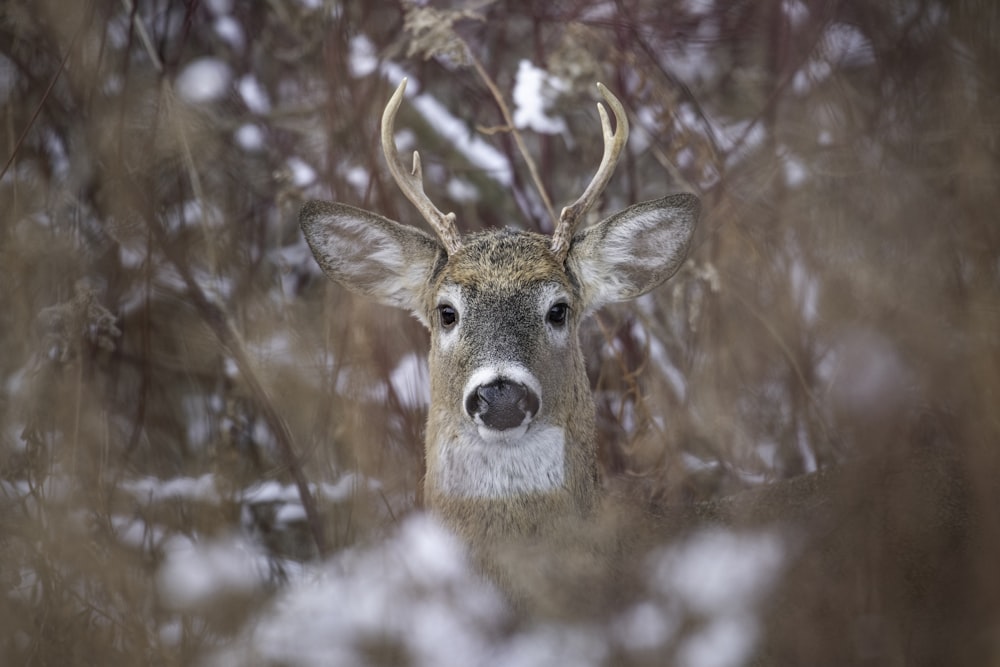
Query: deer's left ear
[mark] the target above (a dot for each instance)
(371, 255)
(633, 251)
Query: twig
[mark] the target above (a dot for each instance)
(509, 120)
(41, 103)
(147, 43)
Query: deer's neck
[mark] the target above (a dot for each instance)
(486, 489)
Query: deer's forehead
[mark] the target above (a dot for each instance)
(504, 262)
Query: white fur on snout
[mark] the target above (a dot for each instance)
(512, 372)
(473, 467)
(507, 435)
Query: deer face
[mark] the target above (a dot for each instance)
(510, 401)
(502, 315)
(511, 415)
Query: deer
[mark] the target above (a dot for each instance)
(510, 447)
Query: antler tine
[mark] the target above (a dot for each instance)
(412, 182)
(570, 217)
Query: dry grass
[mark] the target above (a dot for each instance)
(161, 319)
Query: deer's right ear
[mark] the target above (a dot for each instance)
(371, 255)
(635, 250)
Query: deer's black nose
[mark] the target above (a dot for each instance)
(502, 404)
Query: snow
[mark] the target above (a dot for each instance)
(698, 7)
(219, 7)
(553, 645)
(805, 288)
(414, 593)
(193, 573)
(153, 489)
(272, 491)
(290, 513)
(534, 89)
(462, 191)
(796, 12)
(718, 571)
(135, 532)
(250, 137)
(204, 80)
(230, 31)
(358, 177)
(796, 171)
(644, 627)
(722, 576)
(411, 381)
(725, 642)
(361, 58)
(347, 486)
(866, 376)
(254, 95)
(302, 173)
(841, 45)
(692, 61)
(481, 154)
(845, 45)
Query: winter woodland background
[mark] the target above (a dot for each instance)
(208, 453)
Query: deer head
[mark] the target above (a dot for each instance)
(510, 442)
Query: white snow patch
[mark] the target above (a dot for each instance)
(717, 572)
(290, 513)
(698, 7)
(230, 31)
(415, 592)
(154, 489)
(204, 80)
(725, 642)
(534, 89)
(796, 12)
(721, 576)
(219, 7)
(491, 161)
(411, 381)
(271, 491)
(462, 191)
(193, 573)
(362, 59)
(845, 45)
(254, 95)
(302, 173)
(866, 376)
(805, 288)
(692, 60)
(359, 178)
(796, 172)
(645, 627)
(481, 154)
(250, 137)
(136, 532)
(548, 645)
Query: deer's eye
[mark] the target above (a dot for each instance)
(557, 314)
(448, 316)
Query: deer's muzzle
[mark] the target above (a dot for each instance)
(502, 404)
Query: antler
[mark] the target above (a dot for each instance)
(570, 217)
(412, 182)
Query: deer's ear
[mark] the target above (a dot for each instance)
(633, 251)
(371, 255)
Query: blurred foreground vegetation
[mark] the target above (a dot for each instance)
(176, 371)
